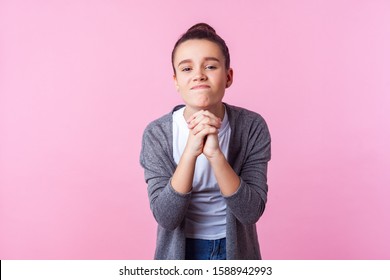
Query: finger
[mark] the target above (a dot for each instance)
(202, 130)
(207, 118)
(205, 121)
(200, 114)
(194, 116)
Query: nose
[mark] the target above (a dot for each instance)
(199, 75)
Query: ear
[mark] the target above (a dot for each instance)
(229, 79)
(175, 81)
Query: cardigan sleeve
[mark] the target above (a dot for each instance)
(168, 206)
(248, 203)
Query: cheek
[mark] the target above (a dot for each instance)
(182, 80)
(221, 81)
(218, 77)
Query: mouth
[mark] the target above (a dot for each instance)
(203, 86)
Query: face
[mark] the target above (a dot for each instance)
(201, 76)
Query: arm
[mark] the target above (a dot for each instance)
(243, 185)
(206, 125)
(251, 163)
(168, 206)
(169, 186)
(227, 179)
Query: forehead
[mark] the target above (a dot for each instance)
(197, 49)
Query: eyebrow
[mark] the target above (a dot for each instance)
(206, 59)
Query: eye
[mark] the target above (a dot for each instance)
(210, 67)
(186, 69)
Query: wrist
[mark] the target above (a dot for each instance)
(215, 156)
(189, 155)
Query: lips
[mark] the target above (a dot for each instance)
(202, 86)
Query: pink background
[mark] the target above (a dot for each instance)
(79, 81)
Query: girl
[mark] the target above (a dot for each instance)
(206, 161)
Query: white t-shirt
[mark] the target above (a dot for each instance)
(206, 215)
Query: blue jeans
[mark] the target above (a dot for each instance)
(199, 249)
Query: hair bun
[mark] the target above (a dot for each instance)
(201, 27)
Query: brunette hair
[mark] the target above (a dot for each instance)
(206, 32)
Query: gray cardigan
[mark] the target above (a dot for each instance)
(249, 153)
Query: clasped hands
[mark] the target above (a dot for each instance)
(203, 134)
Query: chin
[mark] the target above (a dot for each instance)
(201, 103)
(203, 106)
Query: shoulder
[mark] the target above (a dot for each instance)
(162, 125)
(160, 122)
(243, 117)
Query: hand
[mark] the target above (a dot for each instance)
(203, 136)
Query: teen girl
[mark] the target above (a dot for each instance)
(206, 161)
